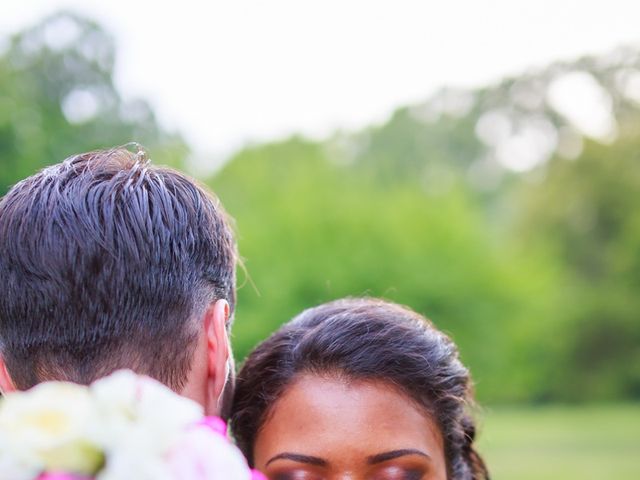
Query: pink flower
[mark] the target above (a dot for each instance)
(216, 424)
(256, 475)
(203, 453)
(61, 476)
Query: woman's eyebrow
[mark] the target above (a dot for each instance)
(383, 457)
(296, 457)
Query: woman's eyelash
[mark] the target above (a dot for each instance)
(413, 475)
(292, 476)
(282, 476)
(400, 474)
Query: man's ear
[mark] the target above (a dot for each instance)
(218, 352)
(6, 383)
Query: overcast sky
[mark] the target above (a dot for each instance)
(227, 72)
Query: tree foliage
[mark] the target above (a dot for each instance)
(534, 273)
(57, 98)
(534, 270)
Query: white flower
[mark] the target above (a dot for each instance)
(140, 420)
(125, 426)
(47, 427)
(16, 465)
(133, 464)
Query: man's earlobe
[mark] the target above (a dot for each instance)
(6, 383)
(218, 351)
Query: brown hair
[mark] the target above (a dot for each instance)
(105, 260)
(364, 339)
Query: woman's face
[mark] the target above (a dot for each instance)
(323, 428)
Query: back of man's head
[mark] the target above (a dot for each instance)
(107, 262)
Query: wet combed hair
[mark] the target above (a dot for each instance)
(106, 262)
(364, 339)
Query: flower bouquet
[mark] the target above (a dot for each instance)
(122, 427)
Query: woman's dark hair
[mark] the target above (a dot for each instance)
(364, 339)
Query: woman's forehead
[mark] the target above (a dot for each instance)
(331, 416)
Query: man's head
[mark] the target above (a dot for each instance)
(107, 262)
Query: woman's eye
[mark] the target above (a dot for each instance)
(413, 475)
(397, 473)
(293, 475)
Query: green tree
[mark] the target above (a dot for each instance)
(311, 230)
(586, 210)
(57, 98)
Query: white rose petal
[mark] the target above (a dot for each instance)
(142, 411)
(48, 427)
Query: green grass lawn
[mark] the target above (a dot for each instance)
(563, 443)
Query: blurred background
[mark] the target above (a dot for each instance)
(477, 161)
